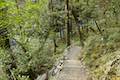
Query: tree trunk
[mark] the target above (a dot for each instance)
(80, 36)
(98, 27)
(61, 33)
(55, 45)
(78, 27)
(51, 24)
(68, 23)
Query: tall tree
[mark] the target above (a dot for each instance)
(78, 26)
(67, 21)
(52, 23)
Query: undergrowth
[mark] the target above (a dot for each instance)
(101, 54)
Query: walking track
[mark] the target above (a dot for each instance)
(73, 69)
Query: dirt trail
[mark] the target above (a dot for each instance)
(73, 69)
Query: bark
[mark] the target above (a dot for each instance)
(116, 16)
(55, 45)
(68, 23)
(51, 24)
(92, 30)
(78, 26)
(98, 27)
(61, 33)
(87, 2)
(71, 26)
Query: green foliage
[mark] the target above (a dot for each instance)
(34, 26)
(25, 25)
(100, 50)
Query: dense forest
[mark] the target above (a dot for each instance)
(35, 33)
